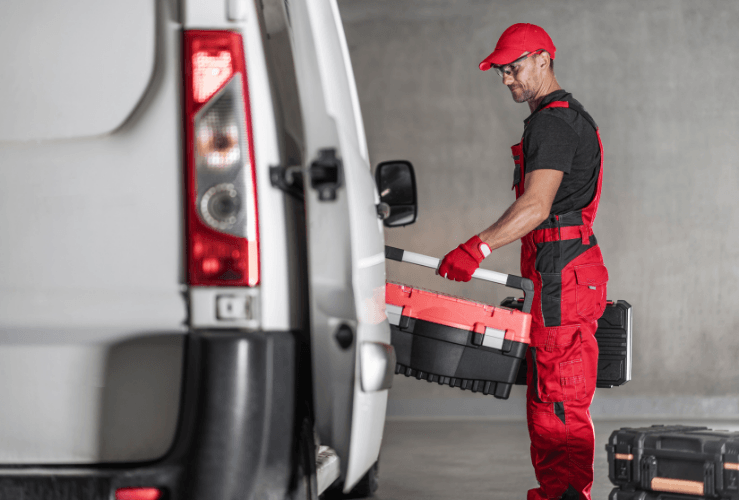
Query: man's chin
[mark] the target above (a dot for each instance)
(520, 96)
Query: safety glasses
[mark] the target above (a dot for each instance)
(512, 68)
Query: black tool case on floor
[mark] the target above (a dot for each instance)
(619, 494)
(614, 344)
(455, 341)
(673, 462)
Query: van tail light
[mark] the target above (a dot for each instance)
(138, 494)
(222, 233)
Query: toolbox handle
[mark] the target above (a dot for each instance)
(509, 280)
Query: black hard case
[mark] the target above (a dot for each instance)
(614, 344)
(619, 494)
(450, 356)
(687, 455)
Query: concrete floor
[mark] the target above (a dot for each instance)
(474, 459)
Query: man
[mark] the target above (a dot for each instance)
(557, 178)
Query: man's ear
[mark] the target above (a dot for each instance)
(543, 60)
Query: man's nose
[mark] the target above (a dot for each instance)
(507, 78)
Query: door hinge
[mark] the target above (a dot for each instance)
(288, 179)
(326, 175)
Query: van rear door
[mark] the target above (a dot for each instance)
(353, 361)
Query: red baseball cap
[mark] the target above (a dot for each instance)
(517, 39)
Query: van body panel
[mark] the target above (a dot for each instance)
(73, 69)
(90, 402)
(92, 301)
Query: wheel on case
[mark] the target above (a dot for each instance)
(366, 487)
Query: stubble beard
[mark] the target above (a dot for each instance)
(525, 96)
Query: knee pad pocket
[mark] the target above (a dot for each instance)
(559, 365)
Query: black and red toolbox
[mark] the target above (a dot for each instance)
(455, 341)
(614, 343)
(675, 462)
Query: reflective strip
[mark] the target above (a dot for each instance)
(623, 456)
(730, 466)
(677, 486)
(393, 313)
(493, 338)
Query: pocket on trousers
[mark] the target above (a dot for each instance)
(559, 365)
(572, 379)
(591, 290)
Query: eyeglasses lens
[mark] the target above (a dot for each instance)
(503, 70)
(512, 68)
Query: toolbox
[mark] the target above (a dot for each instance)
(673, 462)
(454, 341)
(614, 343)
(619, 494)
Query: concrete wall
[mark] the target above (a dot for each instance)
(659, 77)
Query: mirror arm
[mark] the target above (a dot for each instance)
(383, 210)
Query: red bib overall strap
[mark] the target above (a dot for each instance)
(588, 213)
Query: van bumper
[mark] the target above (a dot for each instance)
(235, 431)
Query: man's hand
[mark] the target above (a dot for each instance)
(460, 263)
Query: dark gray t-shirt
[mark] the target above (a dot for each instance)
(562, 139)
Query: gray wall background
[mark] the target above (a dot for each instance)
(659, 77)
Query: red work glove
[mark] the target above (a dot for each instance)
(460, 263)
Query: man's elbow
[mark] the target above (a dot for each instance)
(537, 207)
(541, 212)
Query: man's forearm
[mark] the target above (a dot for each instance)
(523, 216)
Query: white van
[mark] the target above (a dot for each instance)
(192, 264)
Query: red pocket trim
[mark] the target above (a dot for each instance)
(591, 274)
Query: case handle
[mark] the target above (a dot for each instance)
(509, 280)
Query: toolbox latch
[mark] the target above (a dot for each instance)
(493, 338)
(731, 472)
(648, 471)
(407, 324)
(623, 460)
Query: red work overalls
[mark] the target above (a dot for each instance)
(563, 259)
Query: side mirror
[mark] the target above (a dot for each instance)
(396, 183)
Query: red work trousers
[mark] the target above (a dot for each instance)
(560, 427)
(563, 368)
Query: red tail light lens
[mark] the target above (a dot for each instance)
(210, 72)
(138, 494)
(222, 242)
